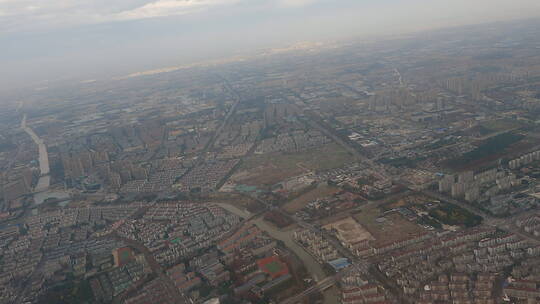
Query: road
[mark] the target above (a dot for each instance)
(361, 264)
(507, 223)
(232, 110)
(316, 122)
(319, 287)
(330, 238)
(212, 140)
(33, 277)
(150, 260)
(156, 268)
(433, 194)
(314, 268)
(312, 265)
(228, 116)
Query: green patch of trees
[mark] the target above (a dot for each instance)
(454, 215)
(426, 220)
(489, 147)
(71, 292)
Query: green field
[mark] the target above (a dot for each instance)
(301, 201)
(499, 125)
(72, 292)
(326, 157)
(273, 267)
(269, 169)
(456, 216)
(491, 147)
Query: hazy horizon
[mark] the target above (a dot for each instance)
(76, 40)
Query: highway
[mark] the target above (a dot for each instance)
(316, 122)
(200, 159)
(228, 116)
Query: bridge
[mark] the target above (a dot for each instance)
(320, 286)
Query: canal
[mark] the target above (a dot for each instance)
(286, 236)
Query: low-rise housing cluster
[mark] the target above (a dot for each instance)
(472, 254)
(206, 177)
(175, 230)
(316, 245)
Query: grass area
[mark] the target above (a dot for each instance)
(239, 201)
(499, 125)
(394, 204)
(273, 267)
(267, 174)
(402, 161)
(491, 147)
(301, 201)
(426, 220)
(441, 143)
(71, 292)
(278, 219)
(394, 228)
(454, 215)
(268, 169)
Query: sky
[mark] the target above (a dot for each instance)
(49, 41)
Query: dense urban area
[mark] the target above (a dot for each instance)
(396, 170)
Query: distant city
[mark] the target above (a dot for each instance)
(403, 170)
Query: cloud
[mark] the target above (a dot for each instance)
(22, 15)
(295, 3)
(162, 8)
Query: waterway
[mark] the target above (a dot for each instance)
(41, 191)
(40, 197)
(286, 236)
(44, 169)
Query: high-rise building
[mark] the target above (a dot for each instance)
(458, 189)
(445, 184)
(472, 194)
(466, 177)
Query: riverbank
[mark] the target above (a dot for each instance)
(44, 168)
(286, 236)
(42, 190)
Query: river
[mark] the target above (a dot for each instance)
(41, 191)
(286, 236)
(44, 169)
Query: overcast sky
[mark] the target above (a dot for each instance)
(52, 40)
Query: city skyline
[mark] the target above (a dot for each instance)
(77, 41)
(400, 166)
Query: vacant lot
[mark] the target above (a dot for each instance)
(349, 231)
(269, 169)
(393, 228)
(301, 201)
(266, 174)
(239, 201)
